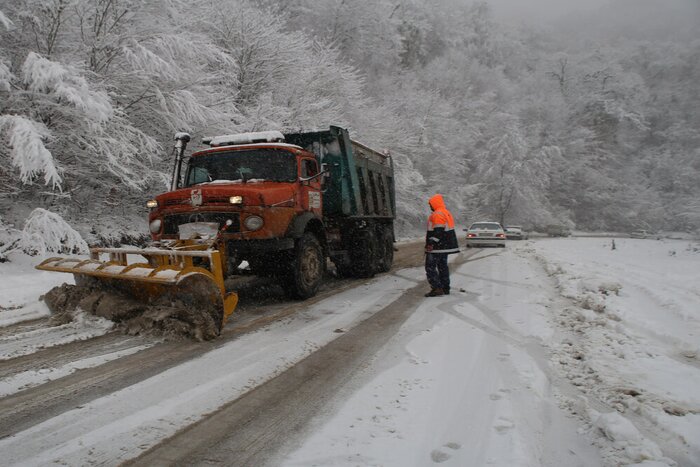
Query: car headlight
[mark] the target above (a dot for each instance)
(236, 200)
(154, 226)
(253, 222)
(151, 203)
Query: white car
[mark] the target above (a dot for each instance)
(515, 232)
(486, 234)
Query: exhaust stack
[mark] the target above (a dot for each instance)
(181, 140)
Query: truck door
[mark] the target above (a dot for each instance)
(310, 189)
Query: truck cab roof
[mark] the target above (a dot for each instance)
(240, 147)
(270, 136)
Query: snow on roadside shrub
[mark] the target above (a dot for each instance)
(5, 76)
(45, 231)
(5, 21)
(29, 155)
(9, 238)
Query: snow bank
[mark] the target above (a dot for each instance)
(22, 286)
(627, 437)
(631, 331)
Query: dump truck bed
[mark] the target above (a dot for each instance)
(362, 179)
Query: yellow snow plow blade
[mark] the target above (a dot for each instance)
(190, 274)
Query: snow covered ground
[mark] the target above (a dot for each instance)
(634, 338)
(479, 378)
(21, 287)
(555, 352)
(463, 383)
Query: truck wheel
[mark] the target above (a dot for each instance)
(307, 268)
(386, 258)
(365, 254)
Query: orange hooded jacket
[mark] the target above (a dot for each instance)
(441, 228)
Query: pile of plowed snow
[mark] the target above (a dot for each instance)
(164, 318)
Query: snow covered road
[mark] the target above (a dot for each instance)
(464, 382)
(554, 352)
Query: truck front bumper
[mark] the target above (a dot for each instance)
(255, 247)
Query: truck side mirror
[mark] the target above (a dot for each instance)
(326, 171)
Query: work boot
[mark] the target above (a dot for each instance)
(435, 293)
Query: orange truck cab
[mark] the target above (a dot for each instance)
(284, 203)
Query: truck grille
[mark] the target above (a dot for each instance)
(172, 221)
(215, 200)
(207, 200)
(174, 202)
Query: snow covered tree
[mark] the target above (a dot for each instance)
(595, 125)
(91, 88)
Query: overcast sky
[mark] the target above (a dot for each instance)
(540, 10)
(649, 19)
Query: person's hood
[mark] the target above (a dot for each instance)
(436, 202)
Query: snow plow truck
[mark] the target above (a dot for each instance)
(284, 203)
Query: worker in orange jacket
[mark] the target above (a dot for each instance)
(440, 241)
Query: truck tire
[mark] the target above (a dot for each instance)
(364, 254)
(386, 250)
(307, 267)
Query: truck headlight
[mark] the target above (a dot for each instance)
(151, 203)
(154, 226)
(236, 200)
(253, 222)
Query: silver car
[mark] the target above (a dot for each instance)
(515, 232)
(486, 234)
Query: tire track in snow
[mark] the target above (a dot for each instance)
(34, 405)
(33, 378)
(252, 428)
(22, 327)
(70, 352)
(83, 327)
(31, 406)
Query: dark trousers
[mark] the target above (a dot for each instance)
(437, 270)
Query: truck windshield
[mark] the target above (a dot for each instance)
(242, 166)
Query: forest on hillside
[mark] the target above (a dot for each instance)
(590, 122)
